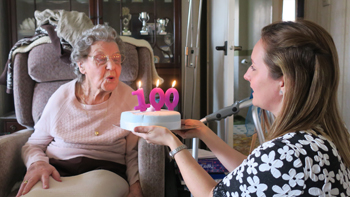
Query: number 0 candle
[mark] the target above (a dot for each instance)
(141, 98)
(168, 103)
(152, 97)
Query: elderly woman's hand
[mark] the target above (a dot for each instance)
(38, 171)
(198, 131)
(135, 190)
(155, 134)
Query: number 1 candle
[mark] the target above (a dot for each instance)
(168, 103)
(152, 97)
(141, 98)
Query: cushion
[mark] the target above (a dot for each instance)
(130, 66)
(42, 93)
(44, 64)
(90, 184)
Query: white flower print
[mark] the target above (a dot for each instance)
(343, 169)
(234, 172)
(256, 186)
(239, 175)
(288, 136)
(251, 164)
(346, 185)
(244, 190)
(334, 150)
(314, 143)
(322, 158)
(298, 149)
(340, 176)
(311, 170)
(297, 163)
(245, 161)
(325, 192)
(227, 179)
(293, 178)
(285, 191)
(234, 194)
(345, 174)
(327, 177)
(322, 137)
(286, 153)
(269, 163)
(268, 144)
(256, 151)
(291, 167)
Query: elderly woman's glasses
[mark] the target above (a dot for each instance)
(103, 59)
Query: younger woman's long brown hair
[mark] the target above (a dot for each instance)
(304, 54)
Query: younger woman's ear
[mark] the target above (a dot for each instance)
(281, 84)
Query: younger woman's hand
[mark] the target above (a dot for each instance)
(155, 134)
(198, 131)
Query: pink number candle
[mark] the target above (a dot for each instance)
(152, 97)
(141, 98)
(168, 103)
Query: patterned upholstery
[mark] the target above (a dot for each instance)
(37, 75)
(49, 67)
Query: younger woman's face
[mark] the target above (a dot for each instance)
(266, 93)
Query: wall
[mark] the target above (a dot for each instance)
(251, 17)
(190, 75)
(334, 18)
(220, 74)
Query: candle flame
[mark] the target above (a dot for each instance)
(139, 84)
(157, 83)
(174, 83)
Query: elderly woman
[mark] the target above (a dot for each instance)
(295, 75)
(76, 141)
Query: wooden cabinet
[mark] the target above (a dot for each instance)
(161, 17)
(10, 124)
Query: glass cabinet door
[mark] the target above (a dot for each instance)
(157, 21)
(151, 20)
(24, 13)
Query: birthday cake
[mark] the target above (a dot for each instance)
(165, 118)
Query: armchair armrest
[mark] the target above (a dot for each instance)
(151, 168)
(12, 167)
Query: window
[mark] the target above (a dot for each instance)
(288, 10)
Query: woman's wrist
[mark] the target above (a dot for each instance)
(174, 143)
(176, 150)
(206, 134)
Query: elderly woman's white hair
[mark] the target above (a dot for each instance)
(81, 48)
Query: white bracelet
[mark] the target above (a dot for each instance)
(176, 150)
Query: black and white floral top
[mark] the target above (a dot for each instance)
(296, 164)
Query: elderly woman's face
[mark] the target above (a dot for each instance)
(100, 72)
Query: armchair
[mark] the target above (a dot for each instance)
(36, 75)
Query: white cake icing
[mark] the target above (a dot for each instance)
(165, 118)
